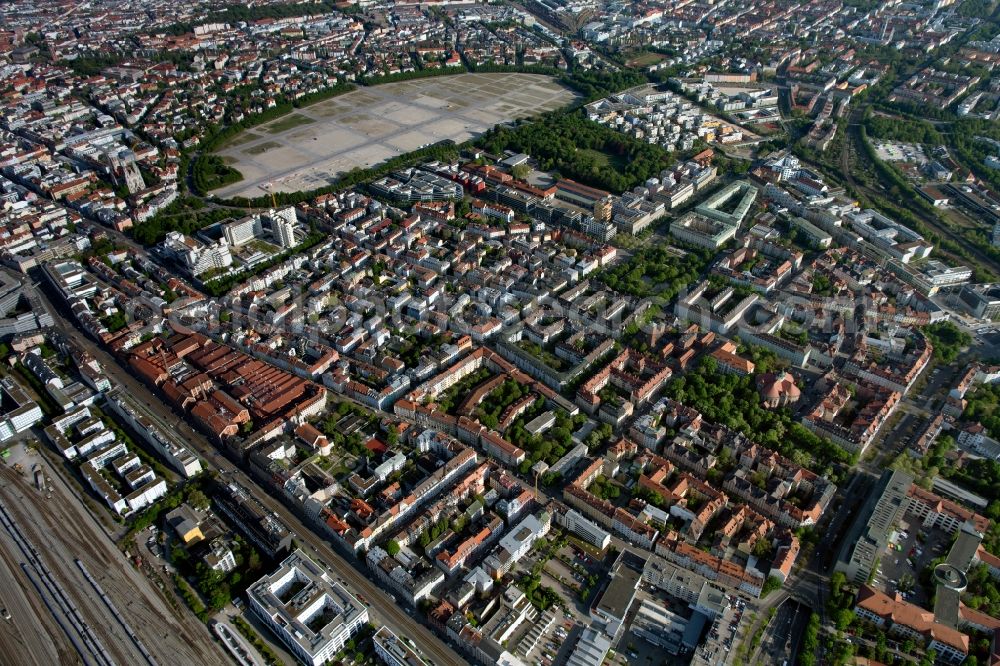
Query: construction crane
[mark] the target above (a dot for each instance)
(267, 188)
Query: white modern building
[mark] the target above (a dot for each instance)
(220, 557)
(195, 256)
(395, 651)
(283, 227)
(584, 528)
(145, 495)
(24, 411)
(312, 615)
(71, 280)
(519, 540)
(166, 442)
(591, 649)
(243, 230)
(892, 237)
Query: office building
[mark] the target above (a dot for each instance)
(868, 536)
(20, 412)
(312, 615)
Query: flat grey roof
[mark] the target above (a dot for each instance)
(620, 592)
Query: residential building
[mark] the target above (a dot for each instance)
(584, 528)
(908, 621)
(396, 651)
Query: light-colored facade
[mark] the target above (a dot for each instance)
(283, 227)
(312, 615)
(395, 651)
(867, 538)
(25, 414)
(584, 528)
(243, 231)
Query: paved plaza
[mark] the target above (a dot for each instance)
(312, 146)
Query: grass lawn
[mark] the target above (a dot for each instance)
(261, 148)
(288, 122)
(238, 140)
(604, 159)
(645, 59)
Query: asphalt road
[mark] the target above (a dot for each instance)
(383, 609)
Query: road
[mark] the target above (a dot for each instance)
(784, 632)
(808, 585)
(383, 610)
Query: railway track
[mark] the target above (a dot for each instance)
(75, 546)
(384, 610)
(86, 642)
(852, 144)
(118, 616)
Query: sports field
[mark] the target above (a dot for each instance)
(310, 147)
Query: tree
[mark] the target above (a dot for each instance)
(521, 171)
(198, 500)
(947, 340)
(733, 401)
(551, 478)
(772, 584)
(220, 596)
(810, 641)
(582, 150)
(843, 618)
(392, 548)
(654, 270)
(837, 582)
(599, 435)
(762, 548)
(392, 435)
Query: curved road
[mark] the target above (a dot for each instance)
(853, 139)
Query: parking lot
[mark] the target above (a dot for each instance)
(941, 379)
(989, 335)
(646, 654)
(636, 650)
(909, 553)
(898, 435)
(894, 151)
(720, 637)
(569, 570)
(723, 635)
(551, 645)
